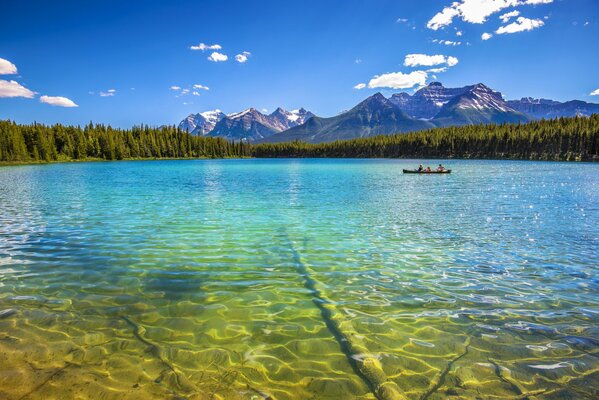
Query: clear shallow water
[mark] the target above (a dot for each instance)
(243, 279)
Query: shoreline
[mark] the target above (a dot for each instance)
(100, 160)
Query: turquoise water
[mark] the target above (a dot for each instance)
(299, 279)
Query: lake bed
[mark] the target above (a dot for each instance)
(249, 279)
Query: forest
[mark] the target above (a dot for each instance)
(36, 142)
(567, 139)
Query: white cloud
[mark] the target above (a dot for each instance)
(175, 87)
(475, 11)
(358, 61)
(7, 68)
(217, 57)
(443, 18)
(184, 91)
(594, 93)
(108, 93)
(486, 36)
(58, 101)
(14, 89)
(243, 57)
(401, 20)
(195, 93)
(399, 80)
(586, 23)
(520, 25)
(202, 87)
(459, 33)
(436, 70)
(415, 60)
(360, 86)
(204, 47)
(447, 42)
(507, 16)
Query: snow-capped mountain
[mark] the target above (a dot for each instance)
(376, 115)
(426, 102)
(288, 119)
(248, 125)
(431, 106)
(478, 104)
(251, 124)
(202, 123)
(480, 97)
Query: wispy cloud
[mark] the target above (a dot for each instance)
(447, 42)
(58, 101)
(437, 70)
(108, 93)
(507, 16)
(217, 57)
(204, 47)
(243, 57)
(475, 11)
(14, 89)
(415, 60)
(358, 61)
(360, 86)
(7, 68)
(194, 90)
(520, 25)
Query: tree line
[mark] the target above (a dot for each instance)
(567, 139)
(572, 139)
(37, 142)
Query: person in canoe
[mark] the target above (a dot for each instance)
(440, 168)
(428, 169)
(420, 168)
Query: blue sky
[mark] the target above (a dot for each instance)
(118, 61)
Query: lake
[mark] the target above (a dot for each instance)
(299, 279)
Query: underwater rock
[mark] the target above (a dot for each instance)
(7, 313)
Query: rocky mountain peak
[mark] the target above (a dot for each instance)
(435, 85)
(201, 123)
(375, 99)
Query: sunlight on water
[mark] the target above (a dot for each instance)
(299, 279)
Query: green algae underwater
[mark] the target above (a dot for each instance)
(299, 279)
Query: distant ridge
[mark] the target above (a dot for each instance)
(431, 106)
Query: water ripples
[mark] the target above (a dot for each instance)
(181, 279)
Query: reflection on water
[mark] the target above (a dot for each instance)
(298, 279)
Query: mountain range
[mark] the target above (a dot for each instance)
(430, 107)
(248, 125)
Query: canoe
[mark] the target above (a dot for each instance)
(413, 171)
